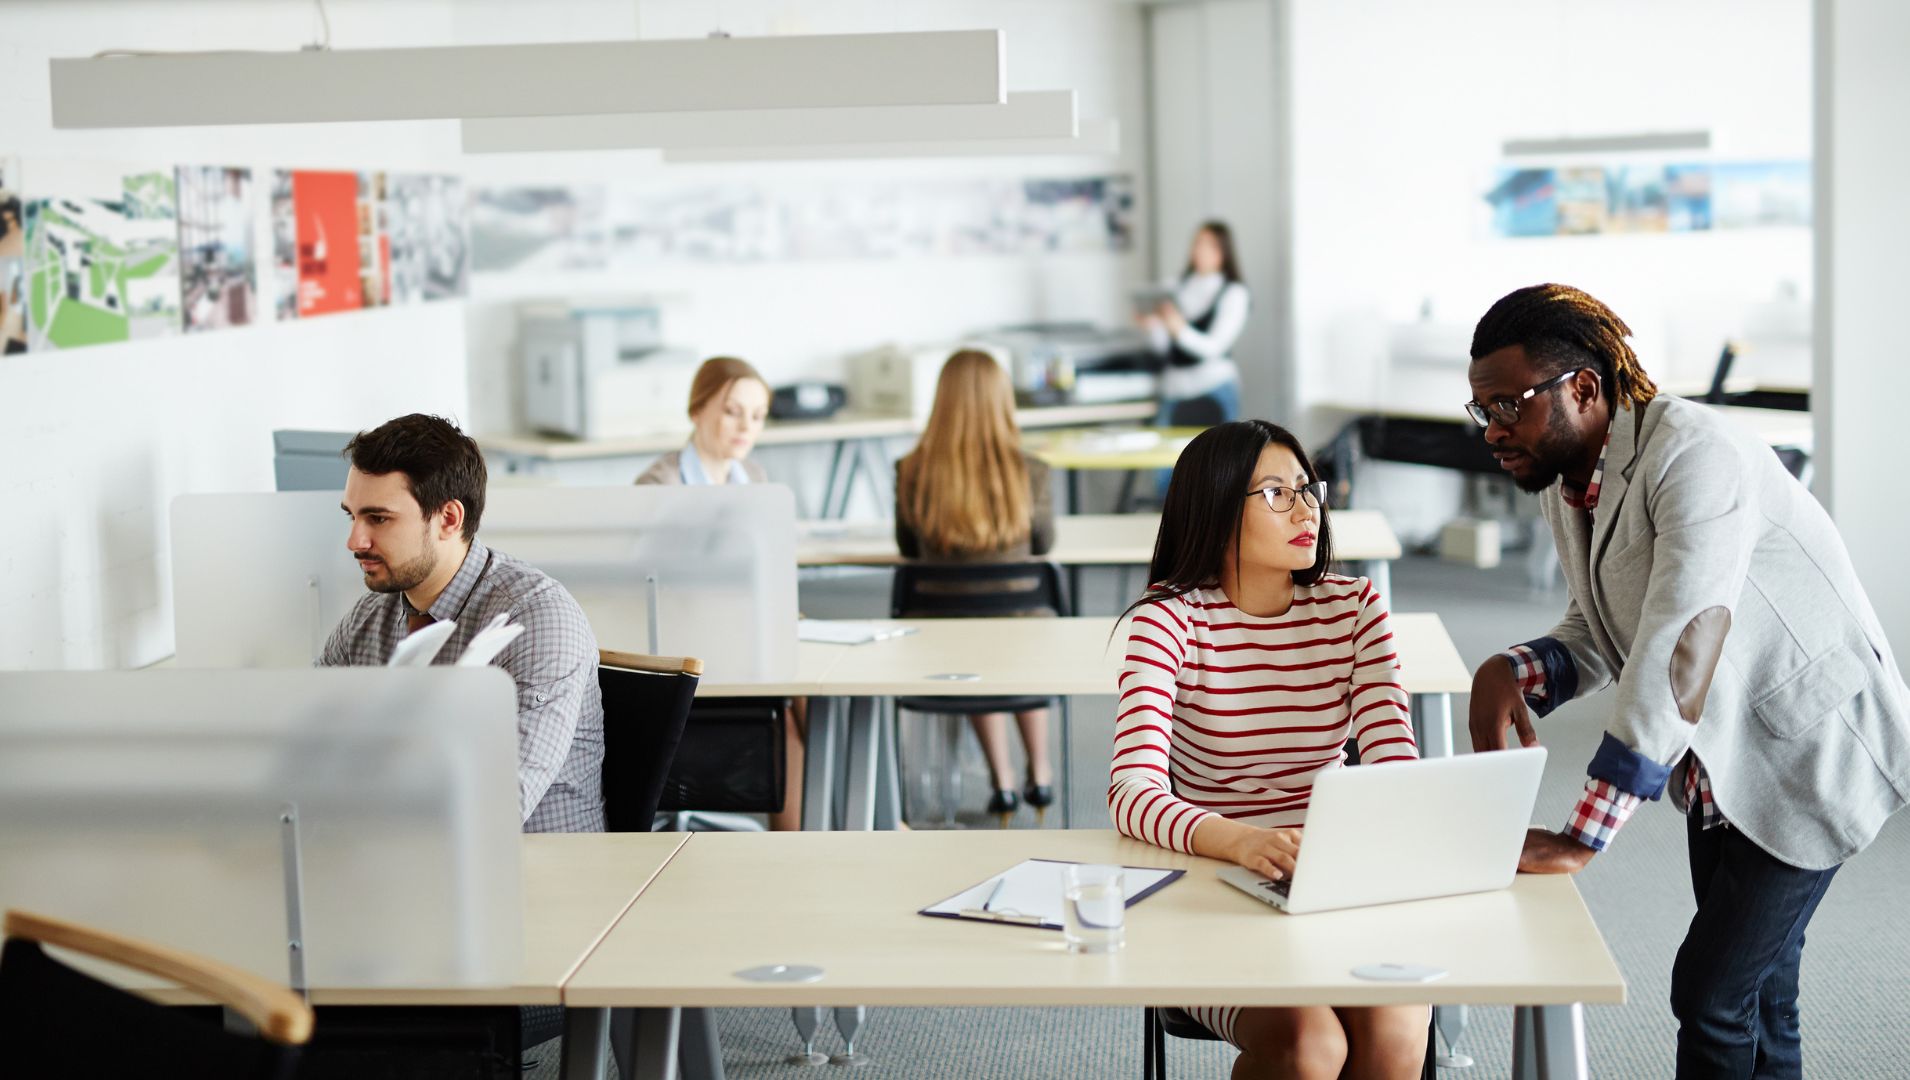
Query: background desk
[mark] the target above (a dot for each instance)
(1066, 657)
(1359, 536)
(856, 437)
(1532, 945)
(1074, 452)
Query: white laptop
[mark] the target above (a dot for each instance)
(1407, 831)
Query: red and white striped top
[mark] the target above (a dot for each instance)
(1226, 713)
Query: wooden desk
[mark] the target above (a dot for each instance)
(1532, 945)
(1359, 536)
(1062, 658)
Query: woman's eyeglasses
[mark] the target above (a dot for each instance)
(1280, 499)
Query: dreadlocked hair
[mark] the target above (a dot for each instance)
(1560, 328)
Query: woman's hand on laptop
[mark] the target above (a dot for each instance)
(1270, 853)
(1547, 852)
(1497, 704)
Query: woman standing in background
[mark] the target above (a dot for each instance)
(1196, 331)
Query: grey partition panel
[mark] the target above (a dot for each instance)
(157, 803)
(310, 460)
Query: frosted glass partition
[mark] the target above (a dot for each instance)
(260, 580)
(723, 561)
(151, 803)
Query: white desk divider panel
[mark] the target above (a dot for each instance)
(260, 580)
(368, 814)
(711, 569)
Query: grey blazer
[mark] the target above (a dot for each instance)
(1717, 593)
(668, 469)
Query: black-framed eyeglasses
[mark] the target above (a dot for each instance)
(1506, 410)
(1280, 499)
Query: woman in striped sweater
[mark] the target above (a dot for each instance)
(1248, 667)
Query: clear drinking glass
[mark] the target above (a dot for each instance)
(1094, 904)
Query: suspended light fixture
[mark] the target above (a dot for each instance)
(122, 89)
(1095, 137)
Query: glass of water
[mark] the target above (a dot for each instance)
(1094, 904)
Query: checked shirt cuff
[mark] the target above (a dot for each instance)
(1599, 814)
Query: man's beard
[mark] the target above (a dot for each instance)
(407, 577)
(1551, 457)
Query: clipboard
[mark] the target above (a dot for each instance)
(1031, 894)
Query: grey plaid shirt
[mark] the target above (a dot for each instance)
(560, 709)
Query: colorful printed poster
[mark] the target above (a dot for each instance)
(217, 274)
(102, 255)
(538, 228)
(325, 234)
(1770, 194)
(432, 251)
(284, 248)
(13, 249)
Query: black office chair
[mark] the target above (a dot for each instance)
(1164, 1021)
(973, 591)
(56, 1021)
(647, 703)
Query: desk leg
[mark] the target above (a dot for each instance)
(586, 1044)
(888, 768)
(1074, 491)
(645, 1042)
(859, 809)
(819, 764)
(701, 1049)
(1066, 786)
(1548, 1042)
(1380, 573)
(1432, 724)
(836, 458)
(877, 465)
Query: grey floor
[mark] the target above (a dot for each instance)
(1856, 980)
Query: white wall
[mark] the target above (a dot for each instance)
(1862, 380)
(802, 318)
(1400, 108)
(96, 442)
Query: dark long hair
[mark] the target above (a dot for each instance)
(1224, 236)
(1200, 520)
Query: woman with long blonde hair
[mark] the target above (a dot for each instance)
(968, 493)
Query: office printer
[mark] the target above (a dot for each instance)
(1076, 363)
(600, 370)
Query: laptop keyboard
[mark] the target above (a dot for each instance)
(1282, 887)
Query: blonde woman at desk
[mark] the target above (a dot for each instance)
(967, 493)
(1248, 667)
(729, 402)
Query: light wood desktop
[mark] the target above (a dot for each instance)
(576, 886)
(730, 902)
(1065, 657)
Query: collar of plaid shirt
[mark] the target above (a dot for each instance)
(1587, 498)
(450, 603)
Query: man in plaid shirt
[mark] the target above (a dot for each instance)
(1753, 681)
(414, 495)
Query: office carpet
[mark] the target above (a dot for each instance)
(1856, 978)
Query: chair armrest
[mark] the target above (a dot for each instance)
(661, 665)
(280, 1014)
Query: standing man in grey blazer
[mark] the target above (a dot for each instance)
(1754, 682)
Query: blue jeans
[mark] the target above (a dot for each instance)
(1734, 985)
(1225, 398)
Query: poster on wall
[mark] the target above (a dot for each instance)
(101, 255)
(412, 238)
(315, 243)
(538, 228)
(13, 250)
(217, 274)
(1649, 197)
(373, 215)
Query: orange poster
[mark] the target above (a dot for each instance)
(328, 273)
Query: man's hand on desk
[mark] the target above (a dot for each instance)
(1547, 852)
(1498, 704)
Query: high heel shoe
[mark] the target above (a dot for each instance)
(1003, 804)
(1039, 796)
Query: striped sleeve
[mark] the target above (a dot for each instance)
(1381, 723)
(1141, 798)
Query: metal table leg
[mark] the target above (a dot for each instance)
(888, 768)
(819, 764)
(1380, 573)
(702, 1052)
(1066, 787)
(1432, 724)
(650, 1053)
(586, 1044)
(859, 807)
(836, 459)
(1548, 1042)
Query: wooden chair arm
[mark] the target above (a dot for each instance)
(661, 665)
(276, 1011)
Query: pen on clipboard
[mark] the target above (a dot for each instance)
(994, 892)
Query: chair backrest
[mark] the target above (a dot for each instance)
(646, 703)
(977, 590)
(1196, 412)
(55, 1020)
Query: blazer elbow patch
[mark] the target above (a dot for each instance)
(1695, 660)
